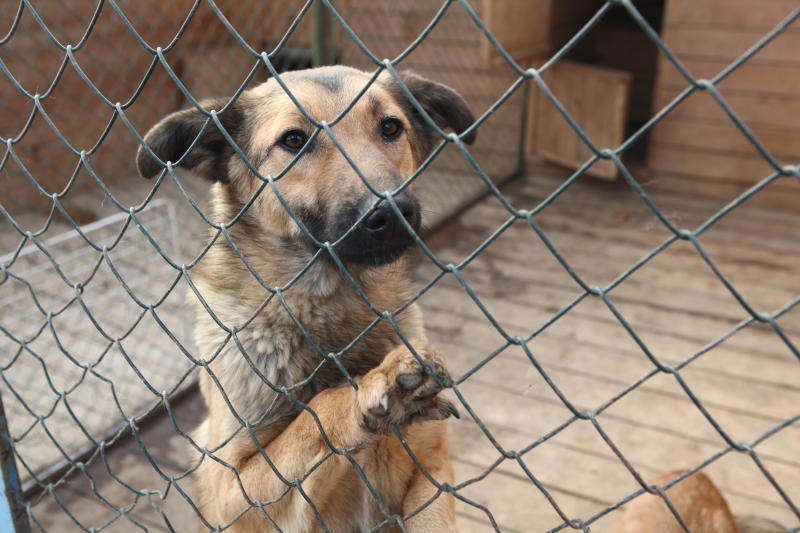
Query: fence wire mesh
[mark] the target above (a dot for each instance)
(94, 334)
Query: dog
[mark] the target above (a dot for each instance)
(264, 352)
(697, 500)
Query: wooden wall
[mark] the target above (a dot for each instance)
(207, 59)
(697, 149)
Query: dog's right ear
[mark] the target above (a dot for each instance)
(170, 139)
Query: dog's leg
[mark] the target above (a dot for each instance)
(404, 381)
(398, 391)
(438, 516)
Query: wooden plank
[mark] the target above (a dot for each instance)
(734, 248)
(650, 444)
(504, 400)
(755, 355)
(745, 227)
(763, 14)
(781, 193)
(616, 363)
(753, 109)
(374, 25)
(522, 27)
(592, 220)
(502, 491)
(431, 53)
(663, 281)
(596, 98)
(724, 136)
(584, 238)
(582, 467)
(715, 159)
(742, 231)
(659, 405)
(654, 320)
(775, 196)
(726, 44)
(744, 169)
(750, 77)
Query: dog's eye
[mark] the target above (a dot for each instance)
(293, 140)
(391, 128)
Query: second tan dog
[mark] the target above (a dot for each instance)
(266, 465)
(700, 504)
(695, 498)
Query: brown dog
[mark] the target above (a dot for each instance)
(695, 498)
(266, 461)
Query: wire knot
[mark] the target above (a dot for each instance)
(704, 84)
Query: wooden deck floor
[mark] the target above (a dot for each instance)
(749, 383)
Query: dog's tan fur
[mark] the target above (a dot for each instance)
(696, 499)
(266, 340)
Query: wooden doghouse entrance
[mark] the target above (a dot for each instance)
(605, 82)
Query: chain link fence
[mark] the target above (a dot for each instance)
(95, 263)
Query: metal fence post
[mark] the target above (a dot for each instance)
(318, 46)
(13, 516)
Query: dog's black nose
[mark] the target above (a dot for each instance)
(384, 225)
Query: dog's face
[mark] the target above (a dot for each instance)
(382, 134)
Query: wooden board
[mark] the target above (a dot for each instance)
(761, 14)
(696, 147)
(728, 43)
(754, 109)
(774, 196)
(596, 98)
(751, 77)
(723, 136)
(522, 27)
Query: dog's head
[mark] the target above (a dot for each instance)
(383, 135)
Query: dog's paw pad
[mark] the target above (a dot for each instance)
(404, 390)
(408, 382)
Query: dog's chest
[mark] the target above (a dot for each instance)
(292, 348)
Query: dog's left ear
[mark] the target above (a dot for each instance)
(446, 107)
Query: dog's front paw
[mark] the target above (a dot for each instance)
(400, 391)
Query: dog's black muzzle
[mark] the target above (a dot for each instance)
(381, 237)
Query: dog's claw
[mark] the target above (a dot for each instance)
(385, 402)
(382, 409)
(450, 409)
(378, 410)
